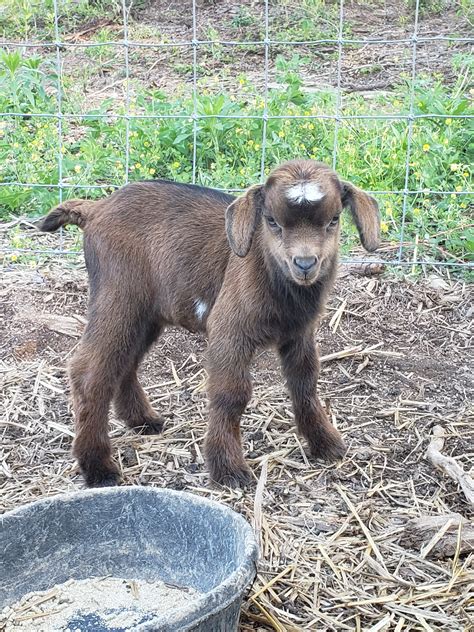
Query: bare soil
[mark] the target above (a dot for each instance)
(100, 72)
(330, 534)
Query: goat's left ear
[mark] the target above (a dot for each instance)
(241, 219)
(365, 213)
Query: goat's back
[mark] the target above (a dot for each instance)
(166, 239)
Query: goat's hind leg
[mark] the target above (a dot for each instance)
(96, 370)
(131, 402)
(92, 383)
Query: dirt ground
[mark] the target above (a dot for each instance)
(364, 68)
(334, 551)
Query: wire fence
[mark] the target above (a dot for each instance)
(62, 185)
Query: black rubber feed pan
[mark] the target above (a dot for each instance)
(138, 533)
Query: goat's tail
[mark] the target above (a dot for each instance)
(68, 212)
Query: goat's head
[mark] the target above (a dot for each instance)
(298, 208)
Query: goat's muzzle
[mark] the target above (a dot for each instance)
(305, 270)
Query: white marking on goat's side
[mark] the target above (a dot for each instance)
(304, 192)
(200, 308)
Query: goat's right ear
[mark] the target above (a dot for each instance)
(241, 219)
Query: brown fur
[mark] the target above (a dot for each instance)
(158, 254)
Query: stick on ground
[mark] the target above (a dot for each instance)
(449, 465)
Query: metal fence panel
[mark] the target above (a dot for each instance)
(126, 44)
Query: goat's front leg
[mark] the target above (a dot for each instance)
(229, 391)
(300, 365)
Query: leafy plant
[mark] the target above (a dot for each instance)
(23, 83)
(230, 138)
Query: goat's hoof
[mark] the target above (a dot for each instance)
(331, 447)
(149, 425)
(234, 478)
(102, 477)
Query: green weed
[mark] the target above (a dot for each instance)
(371, 153)
(34, 19)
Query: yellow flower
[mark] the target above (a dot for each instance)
(454, 166)
(242, 171)
(445, 141)
(151, 171)
(384, 227)
(176, 164)
(137, 165)
(465, 174)
(463, 205)
(459, 188)
(250, 143)
(389, 211)
(77, 168)
(13, 257)
(146, 144)
(448, 121)
(281, 134)
(416, 211)
(257, 146)
(426, 147)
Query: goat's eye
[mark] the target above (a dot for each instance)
(271, 221)
(334, 221)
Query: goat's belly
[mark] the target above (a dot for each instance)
(191, 315)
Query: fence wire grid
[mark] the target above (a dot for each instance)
(195, 43)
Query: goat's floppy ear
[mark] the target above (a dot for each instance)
(365, 213)
(241, 219)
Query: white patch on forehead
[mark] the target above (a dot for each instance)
(304, 192)
(200, 308)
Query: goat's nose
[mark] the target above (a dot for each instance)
(305, 263)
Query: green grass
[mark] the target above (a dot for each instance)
(371, 153)
(34, 19)
(306, 20)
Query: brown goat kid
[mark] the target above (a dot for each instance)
(252, 272)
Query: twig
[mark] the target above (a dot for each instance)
(449, 465)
